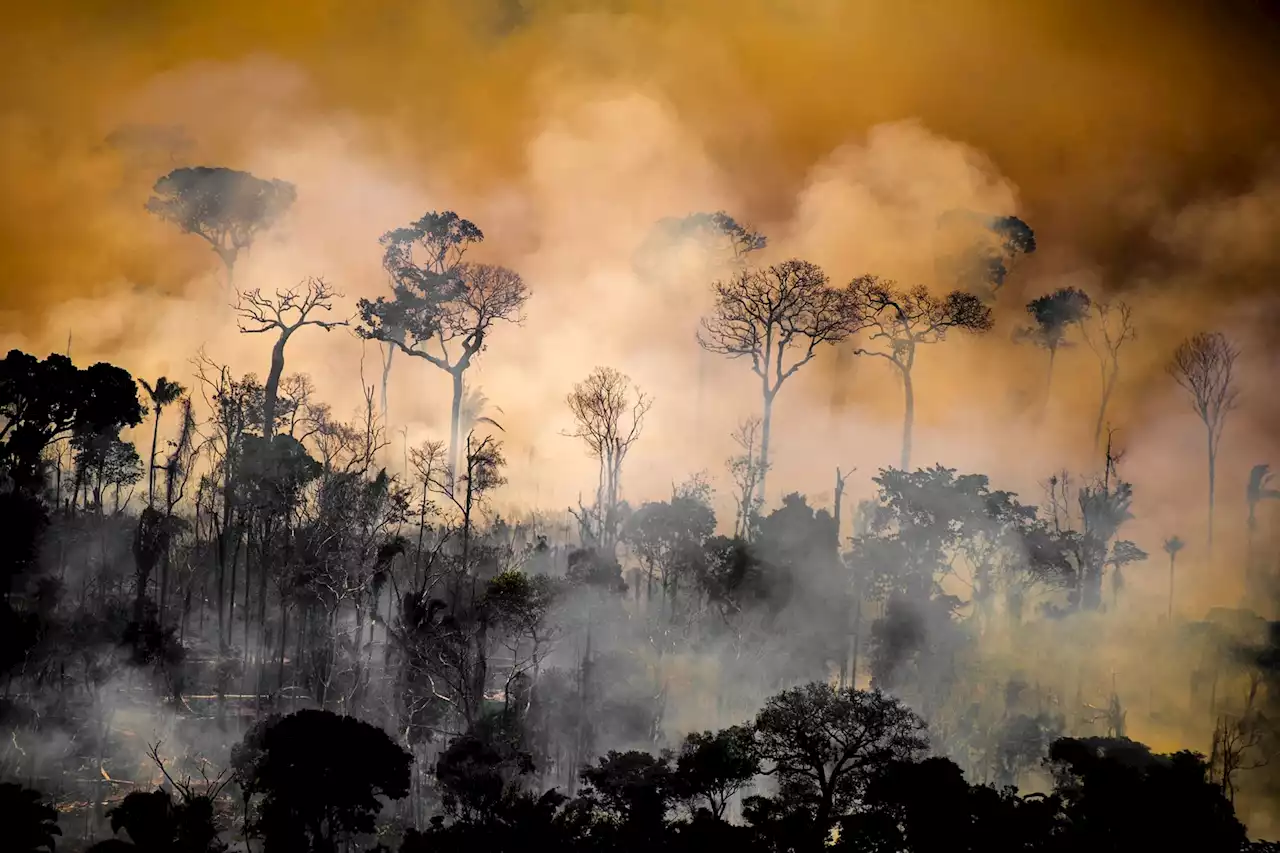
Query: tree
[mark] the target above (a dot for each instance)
(1255, 493)
(1117, 795)
(723, 241)
(744, 469)
(991, 245)
(1052, 317)
(608, 413)
(439, 302)
(44, 401)
(762, 314)
(1114, 327)
(1203, 366)
(288, 312)
(311, 798)
(901, 320)
(1172, 546)
(163, 393)
(824, 745)
(716, 766)
(223, 207)
(30, 825)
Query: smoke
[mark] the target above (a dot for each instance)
(1131, 136)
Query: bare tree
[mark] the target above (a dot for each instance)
(442, 309)
(744, 468)
(1052, 317)
(608, 413)
(899, 321)
(1113, 325)
(769, 314)
(285, 314)
(1203, 365)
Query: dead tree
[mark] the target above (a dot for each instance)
(1113, 325)
(284, 314)
(1203, 366)
(608, 413)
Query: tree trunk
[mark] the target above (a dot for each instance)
(272, 388)
(455, 418)
(386, 377)
(151, 468)
(1212, 474)
(766, 425)
(908, 416)
(1172, 560)
(1108, 385)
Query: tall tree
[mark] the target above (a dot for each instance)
(163, 393)
(1203, 366)
(1112, 326)
(1052, 317)
(990, 246)
(768, 314)
(224, 207)
(284, 314)
(608, 414)
(1172, 546)
(900, 320)
(722, 245)
(1255, 493)
(442, 308)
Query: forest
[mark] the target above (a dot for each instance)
(345, 654)
(605, 509)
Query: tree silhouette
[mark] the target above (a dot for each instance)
(1052, 317)
(762, 315)
(439, 302)
(899, 321)
(744, 469)
(824, 745)
(163, 393)
(30, 825)
(1203, 366)
(310, 798)
(991, 247)
(1114, 327)
(44, 401)
(716, 766)
(223, 207)
(608, 413)
(1256, 492)
(1172, 546)
(284, 314)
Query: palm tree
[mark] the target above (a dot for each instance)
(162, 394)
(472, 410)
(1172, 546)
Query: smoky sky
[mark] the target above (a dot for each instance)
(1138, 138)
